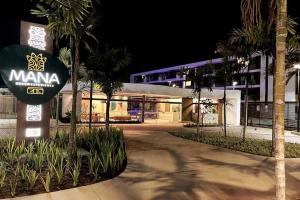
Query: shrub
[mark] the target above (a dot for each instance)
(110, 147)
(75, 172)
(253, 146)
(46, 182)
(59, 170)
(13, 186)
(2, 175)
(32, 176)
(99, 155)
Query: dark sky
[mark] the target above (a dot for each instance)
(158, 33)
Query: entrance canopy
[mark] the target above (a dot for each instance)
(134, 89)
(158, 102)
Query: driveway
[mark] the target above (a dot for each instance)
(164, 167)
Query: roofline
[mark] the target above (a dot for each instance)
(190, 65)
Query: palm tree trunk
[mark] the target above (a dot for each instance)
(225, 131)
(57, 113)
(246, 105)
(75, 67)
(281, 34)
(273, 122)
(107, 113)
(198, 112)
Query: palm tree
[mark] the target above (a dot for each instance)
(65, 58)
(107, 66)
(226, 71)
(202, 79)
(261, 38)
(253, 6)
(279, 94)
(72, 19)
(292, 56)
(241, 51)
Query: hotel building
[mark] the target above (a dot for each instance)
(260, 99)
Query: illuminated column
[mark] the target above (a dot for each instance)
(34, 112)
(33, 121)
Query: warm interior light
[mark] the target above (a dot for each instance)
(188, 83)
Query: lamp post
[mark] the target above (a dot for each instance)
(297, 66)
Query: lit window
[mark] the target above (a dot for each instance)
(188, 83)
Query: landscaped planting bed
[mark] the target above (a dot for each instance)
(253, 146)
(43, 165)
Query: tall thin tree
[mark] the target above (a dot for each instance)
(201, 78)
(279, 94)
(71, 19)
(225, 73)
(107, 65)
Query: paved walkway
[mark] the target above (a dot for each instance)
(164, 167)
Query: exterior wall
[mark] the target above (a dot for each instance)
(290, 90)
(186, 109)
(170, 104)
(233, 112)
(67, 104)
(262, 80)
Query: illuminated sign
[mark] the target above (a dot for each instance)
(33, 132)
(37, 37)
(35, 75)
(32, 75)
(33, 113)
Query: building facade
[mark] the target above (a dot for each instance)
(138, 103)
(152, 104)
(260, 93)
(171, 76)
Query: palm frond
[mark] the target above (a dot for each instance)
(250, 12)
(107, 65)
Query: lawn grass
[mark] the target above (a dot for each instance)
(253, 146)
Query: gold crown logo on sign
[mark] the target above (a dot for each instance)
(36, 62)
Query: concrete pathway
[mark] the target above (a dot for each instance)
(164, 167)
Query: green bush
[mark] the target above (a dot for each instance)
(253, 146)
(109, 148)
(25, 166)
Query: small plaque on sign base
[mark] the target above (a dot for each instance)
(33, 132)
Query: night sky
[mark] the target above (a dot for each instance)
(157, 33)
